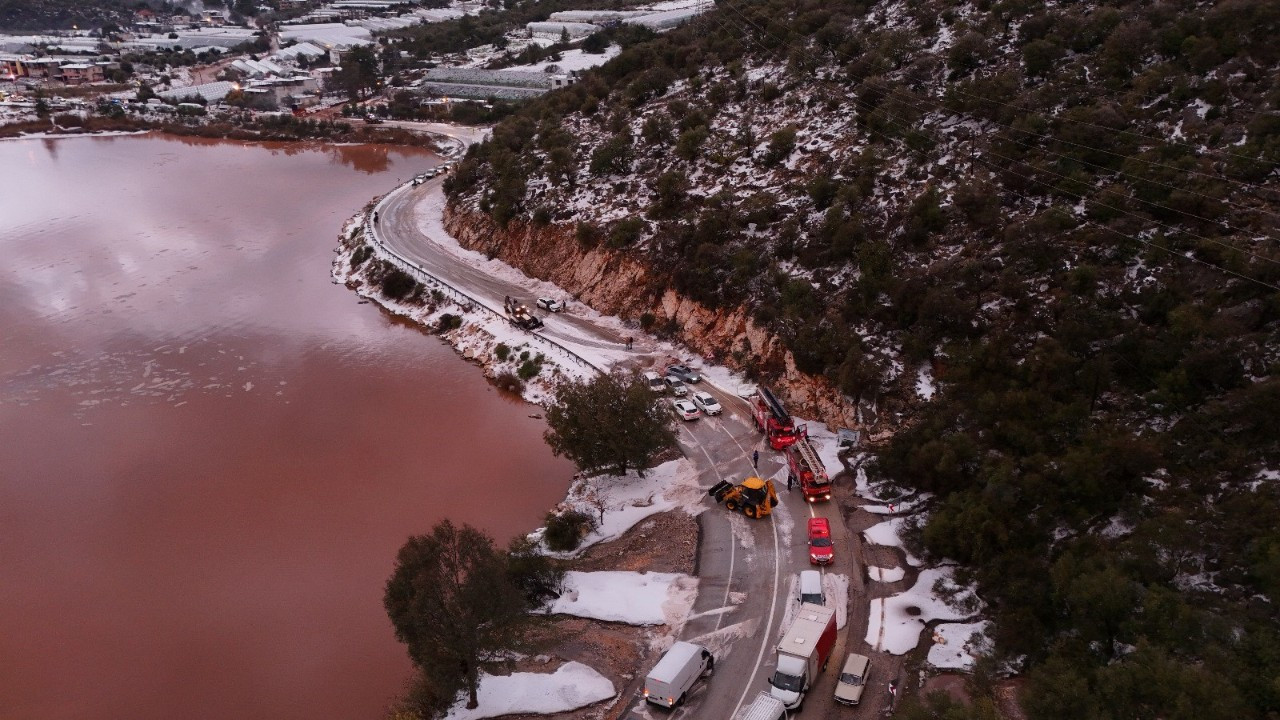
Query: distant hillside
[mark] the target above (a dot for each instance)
(1066, 214)
(61, 14)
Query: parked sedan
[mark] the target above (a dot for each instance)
(685, 373)
(707, 404)
(853, 679)
(550, 304)
(675, 387)
(686, 409)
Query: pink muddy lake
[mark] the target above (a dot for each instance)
(209, 453)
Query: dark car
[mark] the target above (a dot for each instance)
(684, 372)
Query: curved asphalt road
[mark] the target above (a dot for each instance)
(746, 567)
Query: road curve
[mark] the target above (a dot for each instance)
(746, 567)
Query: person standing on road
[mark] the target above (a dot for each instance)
(755, 459)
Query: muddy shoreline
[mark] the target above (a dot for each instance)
(272, 130)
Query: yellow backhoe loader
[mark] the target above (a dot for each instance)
(755, 496)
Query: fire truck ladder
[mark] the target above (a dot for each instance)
(775, 407)
(811, 459)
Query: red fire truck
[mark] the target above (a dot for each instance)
(804, 465)
(772, 419)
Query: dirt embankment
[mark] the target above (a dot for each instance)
(618, 284)
(666, 542)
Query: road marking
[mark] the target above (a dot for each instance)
(733, 542)
(745, 455)
(764, 636)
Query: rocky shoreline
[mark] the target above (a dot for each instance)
(664, 542)
(283, 130)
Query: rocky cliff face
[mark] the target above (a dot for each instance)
(614, 283)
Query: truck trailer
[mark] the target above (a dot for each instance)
(803, 653)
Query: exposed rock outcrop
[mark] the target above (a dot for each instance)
(614, 283)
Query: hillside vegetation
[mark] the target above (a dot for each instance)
(1066, 212)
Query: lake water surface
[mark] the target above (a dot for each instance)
(209, 453)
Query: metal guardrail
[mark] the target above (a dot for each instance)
(464, 300)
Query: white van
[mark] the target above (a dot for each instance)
(654, 381)
(811, 587)
(677, 671)
(765, 707)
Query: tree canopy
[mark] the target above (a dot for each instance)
(359, 72)
(457, 603)
(608, 422)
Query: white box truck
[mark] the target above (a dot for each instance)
(677, 671)
(803, 653)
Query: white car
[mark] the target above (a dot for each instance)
(707, 404)
(686, 409)
(675, 386)
(550, 304)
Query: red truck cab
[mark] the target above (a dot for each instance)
(772, 419)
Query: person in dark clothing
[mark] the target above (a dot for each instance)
(755, 459)
(790, 479)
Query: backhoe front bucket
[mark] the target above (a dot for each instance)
(718, 490)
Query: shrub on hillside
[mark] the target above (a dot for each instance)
(781, 144)
(565, 531)
(508, 382)
(449, 321)
(399, 285)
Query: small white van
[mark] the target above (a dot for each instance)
(654, 381)
(765, 707)
(811, 587)
(669, 681)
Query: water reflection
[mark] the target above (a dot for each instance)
(211, 453)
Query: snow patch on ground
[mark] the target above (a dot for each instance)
(824, 441)
(888, 533)
(836, 588)
(907, 504)
(572, 60)
(627, 597)
(896, 621)
(961, 645)
(572, 686)
(886, 575)
(925, 387)
(1117, 527)
(1263, 476)
(628, 499)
